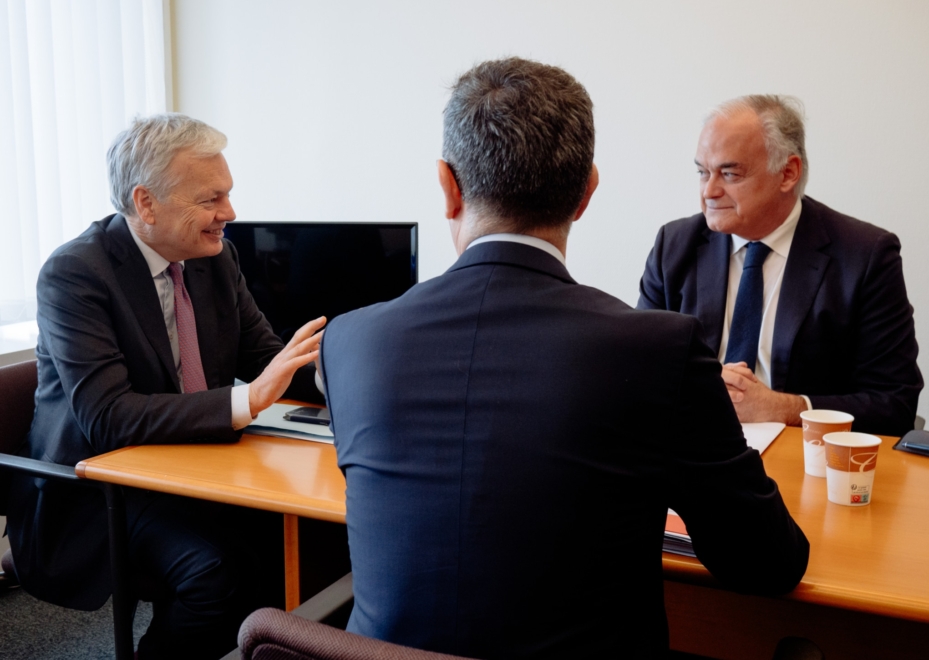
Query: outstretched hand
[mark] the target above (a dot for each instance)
(302, 349)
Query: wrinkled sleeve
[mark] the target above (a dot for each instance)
(740, 528)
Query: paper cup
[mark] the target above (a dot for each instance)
(850, 462)
(817, 423)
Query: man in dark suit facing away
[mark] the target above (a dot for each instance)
(144, 323)
(512, 440)
(831, 325)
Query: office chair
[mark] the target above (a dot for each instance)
(312, 632)
(17, 406)
(270, 634)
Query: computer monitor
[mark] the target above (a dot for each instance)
(298, 271)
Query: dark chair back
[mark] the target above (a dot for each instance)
(271, 634)
(17, 403)
(17, 407)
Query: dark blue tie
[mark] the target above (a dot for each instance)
(749, 305)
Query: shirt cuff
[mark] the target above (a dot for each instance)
(241, 410)
(319, 384)
(809, 406)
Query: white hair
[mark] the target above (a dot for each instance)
(142, 154)
(782, 123)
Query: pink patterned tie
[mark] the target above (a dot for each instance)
(191, 367)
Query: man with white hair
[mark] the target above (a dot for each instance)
(144, 324)
(806, 307)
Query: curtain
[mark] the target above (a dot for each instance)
(72, 75)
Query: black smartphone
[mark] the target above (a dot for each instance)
(308, 415)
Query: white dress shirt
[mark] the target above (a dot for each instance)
(158, 266)
(779, 241)
(543, 245)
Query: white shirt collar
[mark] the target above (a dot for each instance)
(156, 263)
(778, 240)
(525, 240)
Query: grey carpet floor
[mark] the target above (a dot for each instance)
(33, 630)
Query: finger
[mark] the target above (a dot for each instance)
(737, 396)
(735, 380)
(287, 366)
(308, 329)
(740, 368)
(308, 344)
(304, 359)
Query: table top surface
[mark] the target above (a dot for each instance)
(300, 477)
(872, 559)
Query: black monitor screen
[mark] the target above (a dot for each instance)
(298, 271)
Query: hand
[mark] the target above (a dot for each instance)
(756, 402)
(275, 379)
(738, 378)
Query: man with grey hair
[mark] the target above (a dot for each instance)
(144, 324)
(510, 463)
(806, 307)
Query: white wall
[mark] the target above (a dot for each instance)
(334, 109)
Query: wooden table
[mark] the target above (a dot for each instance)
(866, 591)
(298, 478)
(865, 594)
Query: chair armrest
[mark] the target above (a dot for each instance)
(39, 468)
(328, 601)
(319, 608)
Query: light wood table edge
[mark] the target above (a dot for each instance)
(687, 570)
(204, 490)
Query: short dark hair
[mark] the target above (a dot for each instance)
(519, 138)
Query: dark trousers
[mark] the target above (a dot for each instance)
(217, 564)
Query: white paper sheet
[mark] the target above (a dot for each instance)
(272, 422)
(759, 435)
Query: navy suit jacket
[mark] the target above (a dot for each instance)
(511, 442)
(843, 334)
(107, 380)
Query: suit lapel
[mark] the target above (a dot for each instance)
(135, 279)
(713, 285)
(199, 283)
(803, 275)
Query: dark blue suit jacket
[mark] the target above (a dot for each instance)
(843, 334)
(511, 442)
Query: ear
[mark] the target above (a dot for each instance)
(453, 203)
(592, 182)
(792, 172)
(144, 202)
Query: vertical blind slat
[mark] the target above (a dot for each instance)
(72, 75)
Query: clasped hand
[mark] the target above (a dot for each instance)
(756, 402)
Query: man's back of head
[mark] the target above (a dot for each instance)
(519, 137)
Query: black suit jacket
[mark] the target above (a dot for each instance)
(843, 334)
(107, 380)
(511, 443)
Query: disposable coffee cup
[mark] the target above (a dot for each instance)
(850, 462)
(817, 423)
